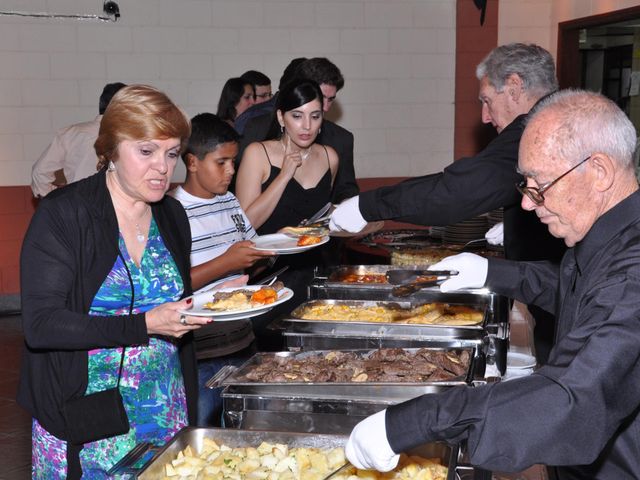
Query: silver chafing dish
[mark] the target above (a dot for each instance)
(330, 285)
(319, 407)
(421, 334)
(153, 469)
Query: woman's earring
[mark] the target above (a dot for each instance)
(319, 130)
(282, 129)
(112, 166)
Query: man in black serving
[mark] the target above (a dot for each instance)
(580, 413)
(513, 78)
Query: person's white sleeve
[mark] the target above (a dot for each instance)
(347, 217)
(495, 235)
(368, 447)
(472, 271)
(42, 172)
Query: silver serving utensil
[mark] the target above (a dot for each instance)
(474, 241)
(396, 277)
(407, 289)
(316, 216)
(344, 467)
(269, 279)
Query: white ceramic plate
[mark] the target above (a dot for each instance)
(283, 244)
(200, 299)
(520, 360)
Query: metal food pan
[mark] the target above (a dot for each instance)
(246, 408)
(321, 287)
(194, 437)
(497, 306)
(297, 341)
(395, 391)
(295, 323)
(335, 276)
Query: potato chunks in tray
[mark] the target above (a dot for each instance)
(276, 461)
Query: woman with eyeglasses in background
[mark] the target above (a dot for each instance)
(237, 95)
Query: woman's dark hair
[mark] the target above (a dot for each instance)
(231, 94)
(294, 94)
(255, 78)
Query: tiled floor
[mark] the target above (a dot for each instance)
(15, 423)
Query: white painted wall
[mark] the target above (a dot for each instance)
(398, 59)
(536, 21)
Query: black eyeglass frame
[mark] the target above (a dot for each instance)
(536, 194)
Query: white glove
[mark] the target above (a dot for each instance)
(472, 271)
(368, 447)
(347, 217)
(495, 235)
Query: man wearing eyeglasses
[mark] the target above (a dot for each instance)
(581, 411)
(261, 85)
(512, 79)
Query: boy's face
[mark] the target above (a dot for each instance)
(212, 175)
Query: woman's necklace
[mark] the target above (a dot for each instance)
(140, 237)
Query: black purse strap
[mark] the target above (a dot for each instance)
(124, 262)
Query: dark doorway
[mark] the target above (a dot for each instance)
(596, 53)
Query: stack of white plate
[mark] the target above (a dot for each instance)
(519, 365)
(437, 232)
(495, 216)
(465, 231)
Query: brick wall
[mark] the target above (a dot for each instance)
(473, 42)
(16, 208)
(398, 61)
(397, 58)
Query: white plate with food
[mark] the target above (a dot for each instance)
(283, 244)
(229, 304)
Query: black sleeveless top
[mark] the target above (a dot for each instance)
(296, 202)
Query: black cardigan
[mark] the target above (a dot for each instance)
(69, 249)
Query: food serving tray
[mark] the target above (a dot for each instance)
(294, 323)
(326, 285)
(339, 276)
(390, 391)
(194, 438)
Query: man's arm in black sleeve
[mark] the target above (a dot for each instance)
(345, 185)
(468, 187)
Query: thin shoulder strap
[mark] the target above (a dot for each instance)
(266, 153)
(326, 152)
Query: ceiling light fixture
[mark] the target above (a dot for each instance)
(109, 7)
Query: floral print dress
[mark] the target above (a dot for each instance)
(152, 386)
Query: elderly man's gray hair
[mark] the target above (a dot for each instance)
(587, 123)
(533, 64)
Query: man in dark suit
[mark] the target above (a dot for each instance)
(330, 79)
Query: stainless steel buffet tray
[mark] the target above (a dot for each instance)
(249, 408)
(325, 285)
(360, 391)
(295, 323)
(336, 275)
(194, 437)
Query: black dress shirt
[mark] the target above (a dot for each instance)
(468, 187)
(581, 412)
